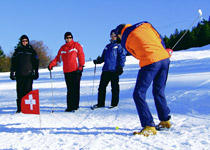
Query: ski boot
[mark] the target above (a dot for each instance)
(163, 125)
(146, 131)
(96, 106)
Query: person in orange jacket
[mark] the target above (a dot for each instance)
(145, 44)
(73, 59)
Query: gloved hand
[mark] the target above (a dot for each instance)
(120, 71)
(12, 76)
(35, 75)
(50, 67)
(80, 70)
(95, 61)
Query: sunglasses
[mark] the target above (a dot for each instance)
(68, 38)
(24, 40)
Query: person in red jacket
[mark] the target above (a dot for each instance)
(73, 62)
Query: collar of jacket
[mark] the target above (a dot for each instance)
(69, 43)
(127, 30)
(113, 41)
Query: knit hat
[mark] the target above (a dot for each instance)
(24, 37)
(113, 32)
(119, 28)
(68, 34)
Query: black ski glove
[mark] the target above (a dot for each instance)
(79, 72)
(95, 61)
(12, 76)
(120, 71)
(35, 75)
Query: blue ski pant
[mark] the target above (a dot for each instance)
(156, 73)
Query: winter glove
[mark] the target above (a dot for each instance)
(120, 71)
(12, 76)
(51, 65)
(96, 61)
(80, 70)
(35, 75)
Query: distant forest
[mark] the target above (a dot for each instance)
(197, 37)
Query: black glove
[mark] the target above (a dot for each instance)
(35, 75)
(95, 61)
(120, 71)
(50, 67)
(12, 76)
(79, 72)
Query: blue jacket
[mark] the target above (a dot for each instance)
(113, 56)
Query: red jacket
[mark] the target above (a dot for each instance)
(72, 56)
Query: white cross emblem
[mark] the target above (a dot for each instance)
(30, 101)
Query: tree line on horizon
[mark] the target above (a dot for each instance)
(197, 37)
(41, 49)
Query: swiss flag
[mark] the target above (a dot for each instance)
(30, 103)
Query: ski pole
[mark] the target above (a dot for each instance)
(200, 14)
(52, 91)
(93, 82)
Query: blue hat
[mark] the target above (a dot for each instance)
(113, 32)
(119, 28)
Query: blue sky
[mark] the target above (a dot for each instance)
(90, 21)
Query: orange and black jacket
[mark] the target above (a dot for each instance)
(144, 43)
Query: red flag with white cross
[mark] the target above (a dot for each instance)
(30, 103)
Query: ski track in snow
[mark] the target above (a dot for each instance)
(187, 93)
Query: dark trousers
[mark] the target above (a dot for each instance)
(106, 77)
(23, 87)
(73, 89)
(156, 72)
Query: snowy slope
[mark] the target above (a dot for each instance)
(187, 91)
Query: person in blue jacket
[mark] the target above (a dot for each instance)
(114, 57)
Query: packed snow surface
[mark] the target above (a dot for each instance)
(187, 93)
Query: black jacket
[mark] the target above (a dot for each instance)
(24, 61)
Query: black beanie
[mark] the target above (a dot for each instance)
(119, 28)
(113, 32)
(24, 37)
(68, 34)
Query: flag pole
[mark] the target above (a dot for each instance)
(40, 122)
(39, 116)
(52, 91)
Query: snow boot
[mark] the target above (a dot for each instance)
(18, 105)
(163, 125)
(70, 110)
(146, 131)
(96, 106)
(18, 111)
(110, 107)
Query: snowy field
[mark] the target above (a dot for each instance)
(187, 92)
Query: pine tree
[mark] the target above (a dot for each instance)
(199, 36)
(1, 52)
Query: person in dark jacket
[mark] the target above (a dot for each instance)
(114, 58)
(73, 59)
(24, 69)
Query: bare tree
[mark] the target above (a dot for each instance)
(42, 52)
